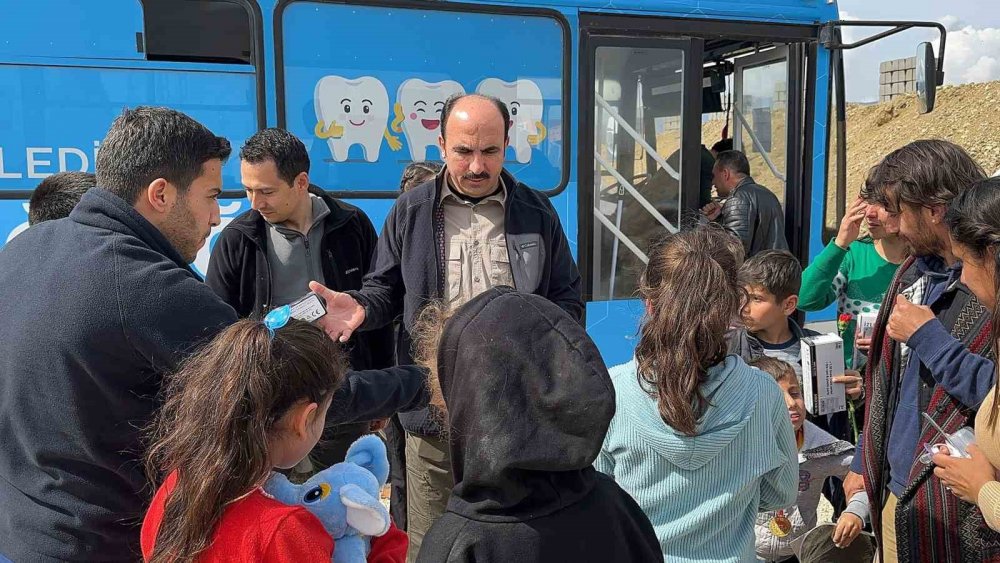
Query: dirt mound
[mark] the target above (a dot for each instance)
(967, 115)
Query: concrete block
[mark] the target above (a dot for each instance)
(910, 87)
(883, 78)
(911, 62)
(909, 75)
(883, 66)
(898, 88)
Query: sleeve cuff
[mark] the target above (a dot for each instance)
(989, 504)
(929, 340)
(858, 506)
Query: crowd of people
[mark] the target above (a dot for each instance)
(143, 410)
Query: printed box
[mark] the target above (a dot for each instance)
(822, 359)
(863, 328)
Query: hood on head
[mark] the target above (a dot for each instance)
(529, 403)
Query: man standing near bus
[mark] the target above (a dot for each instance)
(751, 212)
(294, 233)
(471, 228)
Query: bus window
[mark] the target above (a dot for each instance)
(638, 131)
(761, 115)
(215, 31)
(367, 106)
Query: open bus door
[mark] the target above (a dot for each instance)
(640, 102)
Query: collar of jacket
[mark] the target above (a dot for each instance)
(103, 209)
(254, 227)
(745, 181)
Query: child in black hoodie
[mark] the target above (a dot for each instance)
(528, 401)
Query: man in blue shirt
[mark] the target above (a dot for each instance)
(927, 357)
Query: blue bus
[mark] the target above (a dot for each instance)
(612, 103)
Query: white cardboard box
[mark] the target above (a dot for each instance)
(822, 359)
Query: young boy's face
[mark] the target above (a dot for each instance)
(764, 312)
(794, 401)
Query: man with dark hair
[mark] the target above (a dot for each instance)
(93, 329)
(57, 195)
(471, 228)
(750, 212)
(927, 359)
(295, 233)
(721, 146)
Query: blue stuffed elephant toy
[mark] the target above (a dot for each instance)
(345, 498)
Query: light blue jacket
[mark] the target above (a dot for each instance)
(702, 493)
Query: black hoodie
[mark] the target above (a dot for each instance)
(529, 403)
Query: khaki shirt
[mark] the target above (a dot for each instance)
(475, 245)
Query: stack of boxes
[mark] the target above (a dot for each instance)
(897, 78)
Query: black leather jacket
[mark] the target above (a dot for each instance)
(755, 216)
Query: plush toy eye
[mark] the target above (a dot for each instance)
(316, 494)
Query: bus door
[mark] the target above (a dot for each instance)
(640, 104)
(760, 124)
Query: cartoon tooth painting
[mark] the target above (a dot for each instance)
(418, 113)
(524, 100)
(353, 112)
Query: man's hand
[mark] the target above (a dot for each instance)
(906, 318)
(853, 483)
(852, 383)
(343, 314)
(850, 225)
(964, 477)
(712, 210)
(848, 528)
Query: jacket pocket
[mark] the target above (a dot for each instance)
(500, 273)
(529, 261)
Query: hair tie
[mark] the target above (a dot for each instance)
(277, 318)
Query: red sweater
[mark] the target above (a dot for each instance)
(259, 528)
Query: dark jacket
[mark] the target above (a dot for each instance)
(92, 328)
(529, 402)
(98, 306)
(240, 274)
(741, 343)
(754, 215)
(405, 271)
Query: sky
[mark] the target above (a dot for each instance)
(972, 51)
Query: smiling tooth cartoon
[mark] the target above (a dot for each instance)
(353, 112)
(524, 100)
(418, 113)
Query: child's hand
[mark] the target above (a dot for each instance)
(848, 528)
(852, 383)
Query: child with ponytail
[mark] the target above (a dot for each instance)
(252, 400)
(702, 441)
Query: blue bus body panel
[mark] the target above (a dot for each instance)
(71, 28)
(60, 90)
(52, 118)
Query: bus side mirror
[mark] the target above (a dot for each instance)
(926, 77)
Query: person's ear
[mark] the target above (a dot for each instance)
(161, 195)
(441, 146)
(302, 417)
(936, 213)
(301, 182)
(789, 305)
